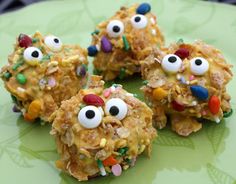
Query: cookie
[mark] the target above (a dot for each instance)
(120, 43)
(101, 131)
(41, 72)
(187, 82)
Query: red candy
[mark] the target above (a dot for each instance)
(92, 99)
(182, 53)
(24, 40)
(214, 104)
(110, 161)
(176, 106)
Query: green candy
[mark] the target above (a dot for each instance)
(123, 151)
(82, 106)
(228, 114)
(180, 41)
(145, 82)
(128, 161)
(21, 78)
(126, 43)
(34, 40)
(95, 32)
(99, 162)
(17, 65)
(122, 73)
(19, 62)
(7, 75)
(14, 99)
(46, 57)
(97, 72)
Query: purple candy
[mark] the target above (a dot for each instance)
(81, 71)
(106, 45)
(15, 109)
(52, 82)
(116, 170)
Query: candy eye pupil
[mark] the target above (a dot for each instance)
(137, 19)
(56, 40)
(116, 29)
(35, 54)
(114, 111)
(198, 62)
(172, 59)
(90, 114)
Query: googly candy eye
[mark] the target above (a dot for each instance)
(171, 63)
(116, 107)
(90, 117)
(32, 55)
(115, 28)
(53, 43)
(139, 21)
(199, 66)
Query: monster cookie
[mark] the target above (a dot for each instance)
(119, 43)
(187, 82)
(42, 72)
(101, 131)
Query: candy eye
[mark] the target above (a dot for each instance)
(117, 108)
(139, 21)
(171, 63)
(90, 117)
(199, 66)
(115, 28)
(32, 55)
(53, 43)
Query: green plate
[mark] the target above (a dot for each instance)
(28, 152)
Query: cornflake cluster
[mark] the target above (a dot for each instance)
(101, 131)
(120, 43)
(187, 82)
(42, 72)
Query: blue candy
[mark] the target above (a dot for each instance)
(199, 92)
(92, 50)
(143, 8)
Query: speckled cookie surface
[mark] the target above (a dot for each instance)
(41, 72)
(187, 82)
(101, 131)
(119, 43)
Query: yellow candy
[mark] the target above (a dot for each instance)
(142, 148)
(59, 164)
(32, 62)
(103, 142)
(34, 109)
(159, 93)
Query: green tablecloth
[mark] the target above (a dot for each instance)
(27, 152)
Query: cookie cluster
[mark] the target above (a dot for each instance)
(187, 83)
(101, 131)
(41, 73)
(120, 43)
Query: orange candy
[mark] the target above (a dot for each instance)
(159, 93)
(214, 104)
(110, 161)
(33, 110)
(28, 118)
